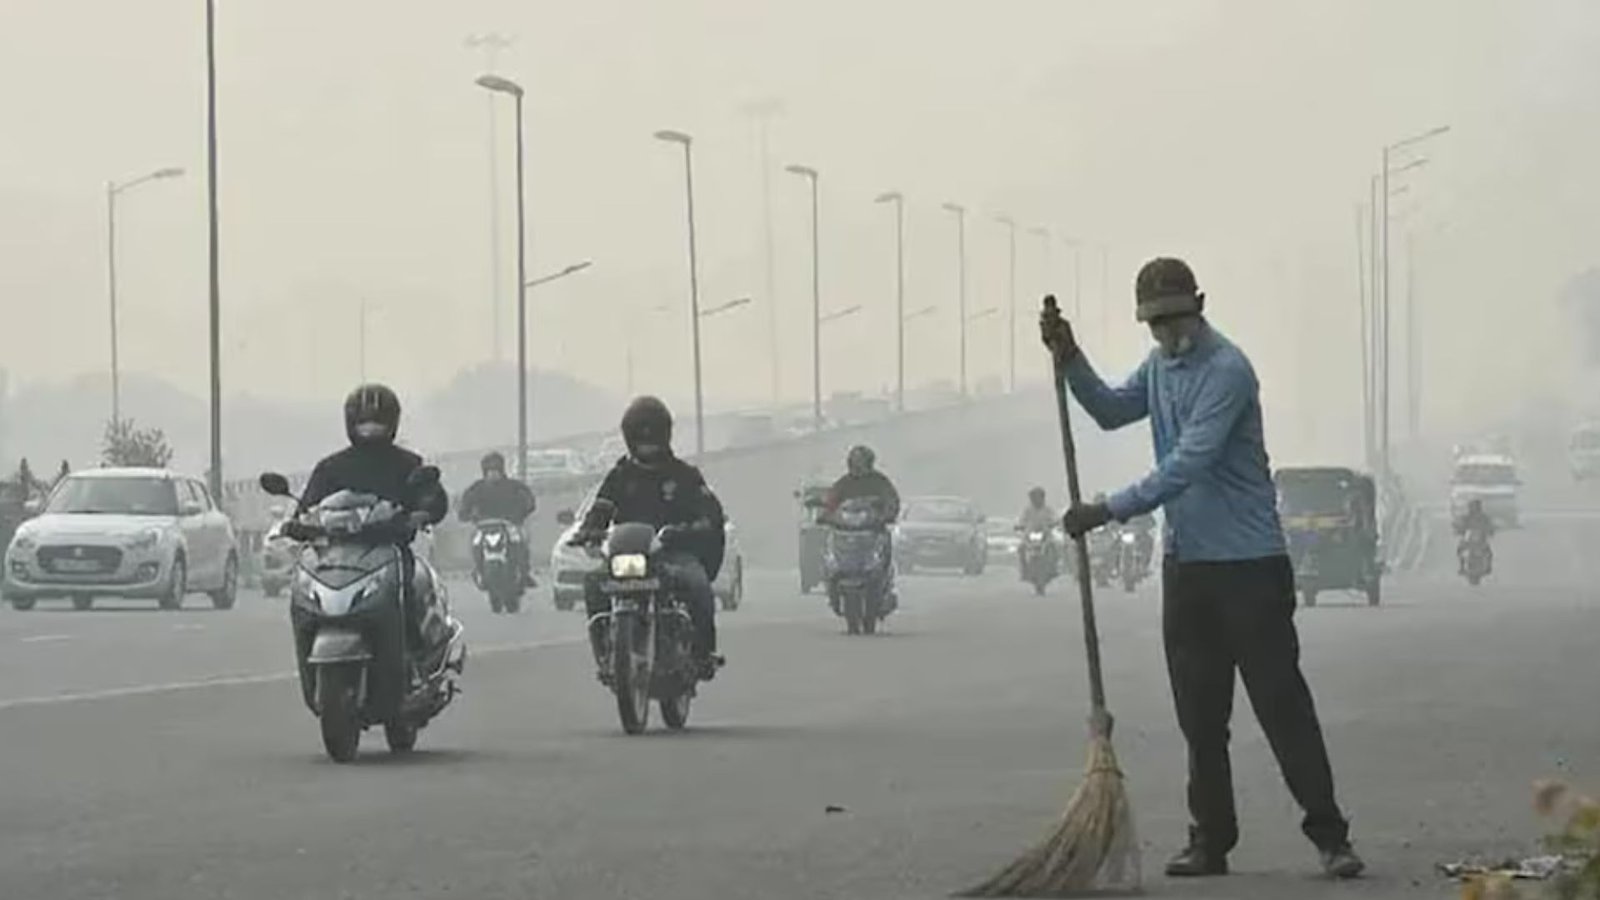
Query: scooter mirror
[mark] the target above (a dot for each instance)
(275, 484)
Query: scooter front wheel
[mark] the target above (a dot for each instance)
(338, 702)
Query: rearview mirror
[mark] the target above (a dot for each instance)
(32, 507)
(275, 484)
(423, 476)
(565, 517)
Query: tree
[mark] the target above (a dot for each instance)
(125, 444)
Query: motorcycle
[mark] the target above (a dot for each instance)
(348, 616)
(1102, 558)
(1129, 563)
(644, 639)
(1039, 557)
(1477, 560)
(495, 568)
(856, 565)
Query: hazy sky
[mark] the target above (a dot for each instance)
(354, 163)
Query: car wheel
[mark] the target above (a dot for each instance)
(224, 597)
(177, 585)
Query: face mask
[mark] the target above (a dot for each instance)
(371, 431)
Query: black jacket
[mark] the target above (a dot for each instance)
(378, 469)
(873, 484)
(503, 498)
(672, 492)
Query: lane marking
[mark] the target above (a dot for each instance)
(171, 687)
(45, 638)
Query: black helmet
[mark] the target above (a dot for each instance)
(1036, 495)
(860, 459)
(1166, 287)
(493, 461)
(371, 405)
(647, 429)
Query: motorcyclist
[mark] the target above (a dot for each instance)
(375, 464)
(1036, 516)
(494, 496)
(653, 486)
(1143, 529)
(861, 479)
(1474, 526)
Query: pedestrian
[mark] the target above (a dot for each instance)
(1228, 593)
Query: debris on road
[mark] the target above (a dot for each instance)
(1532, 868)
(831, 808)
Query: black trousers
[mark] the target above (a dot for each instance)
(1227, 616)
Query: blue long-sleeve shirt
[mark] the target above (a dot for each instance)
(1212, 475)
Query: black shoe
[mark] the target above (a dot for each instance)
(1196, 862)
(1341, 862)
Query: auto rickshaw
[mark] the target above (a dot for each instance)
(1330, 520)
(813, 534)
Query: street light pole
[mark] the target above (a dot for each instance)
(1011, 300)
(113, 190)
(763, 111)
(816, 299)
(678, 137)
(214, 304)
(505, 86)
(960, 213)
(491, 45)
(1383, 400)
(899, 202)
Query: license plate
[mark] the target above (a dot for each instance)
(77, 565)
(631, 586)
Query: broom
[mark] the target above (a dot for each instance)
(1093, 848)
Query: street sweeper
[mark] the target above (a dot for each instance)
(1228, 586)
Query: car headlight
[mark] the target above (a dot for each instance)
(144, 540)
(24, 541)
(629, 565)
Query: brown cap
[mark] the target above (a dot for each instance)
(1166, 287)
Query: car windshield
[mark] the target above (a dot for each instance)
(1310, 496)
(938, 511)
(1486, 474)
(130, 496)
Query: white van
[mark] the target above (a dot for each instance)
(1583, 452)
(1491, 479)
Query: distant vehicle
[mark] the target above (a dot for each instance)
(126, 532)
(1583, 452)
(1001, 538)
(569, 566)
(558, 462)
(1491, 478)
(941, 533)
(279, 554)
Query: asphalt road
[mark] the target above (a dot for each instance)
(159, 756)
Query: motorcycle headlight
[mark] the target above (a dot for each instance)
(630, 565)
(1127, 539)
(144, 540)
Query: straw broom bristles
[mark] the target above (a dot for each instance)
(1093, 849)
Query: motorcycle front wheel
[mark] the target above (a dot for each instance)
(338, 698)
(853, 619)
(630, 676)
(401, 736)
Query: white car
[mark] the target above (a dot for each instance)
(142, 533)
(1491, 479)
(569, 566)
